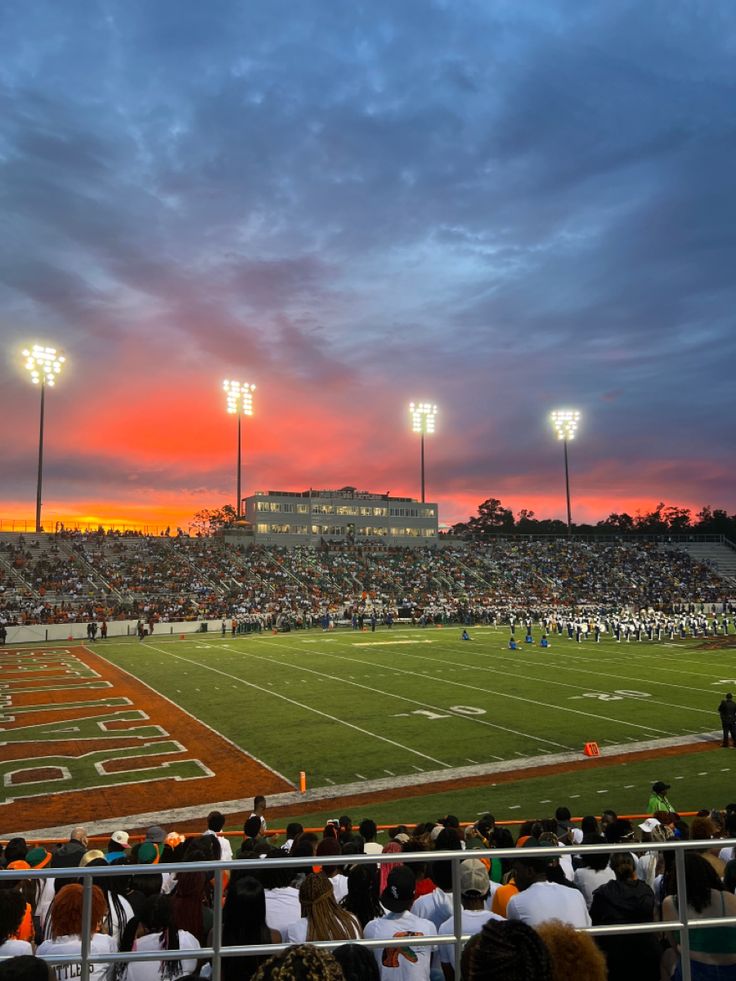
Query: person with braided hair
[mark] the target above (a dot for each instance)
(507, 949)
(301, 963)
(322, 918)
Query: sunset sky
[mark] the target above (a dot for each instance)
(500, 207)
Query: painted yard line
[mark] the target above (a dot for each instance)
(406, 698)
(360, 776)
(508, 695)
(301, 705)
(567, 684)
(193, 717)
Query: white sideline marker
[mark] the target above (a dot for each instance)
(629, 786)
(574, 796)
(360, 776)
(390, 773)
(601, 791)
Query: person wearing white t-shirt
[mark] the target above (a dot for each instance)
(158, 932)
(539, 900)
(321, 917)
(215, 824)
(403, 962)
(474, 888)
(65, 927)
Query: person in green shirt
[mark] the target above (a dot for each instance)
(658, 800)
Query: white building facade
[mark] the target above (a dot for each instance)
(306, 517)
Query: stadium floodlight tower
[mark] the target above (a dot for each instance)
(44, 366)
(422, 421)
(239, 402)
(565, 423)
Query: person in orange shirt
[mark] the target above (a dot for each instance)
(502, 896)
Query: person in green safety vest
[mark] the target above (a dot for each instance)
(658, 800)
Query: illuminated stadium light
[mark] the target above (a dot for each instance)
(239, 402)
(44, 365)
(565, 423)
(422, 415)
(239, 397)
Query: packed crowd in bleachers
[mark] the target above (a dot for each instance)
(73, 578)
(522, 914)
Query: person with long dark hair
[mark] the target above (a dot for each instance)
(244, 922)
(156, 929)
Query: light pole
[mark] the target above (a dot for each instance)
(240, 402)
(565, 422)
(422, 421)
(44, 366)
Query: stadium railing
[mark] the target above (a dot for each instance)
(216, 952)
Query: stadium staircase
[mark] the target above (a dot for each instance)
(80, 558)
(720, 556)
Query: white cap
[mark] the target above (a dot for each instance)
(650, 824)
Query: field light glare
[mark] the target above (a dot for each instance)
(43, 364)
(565, 422)
(239, 397)
(422, 416)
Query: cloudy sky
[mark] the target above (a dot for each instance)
(502, 207)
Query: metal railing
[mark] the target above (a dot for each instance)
(217, 869)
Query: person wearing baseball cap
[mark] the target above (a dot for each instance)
(474, 888)
(403, 962)
(658, 800)
(118, 846)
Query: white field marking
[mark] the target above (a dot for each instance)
(679, 778)
(390, 773)
(471, 761)
(623, 660)
(193, 717)
(725, 769)
(597, 674)
(514, 807)
(629, 786)
(542, 750)
(574, 796)
(419, 767)
(307, 708)
(112, 702)
(388, 643)
(518, 753)
(500, 758)
(601, 791)
(360, 776)
(414, 701)
(547, 801)
(506, 695)
(703, 773)
(330, 781)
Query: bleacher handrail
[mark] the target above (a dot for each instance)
(217, 951)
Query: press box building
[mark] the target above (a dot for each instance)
(305, 517)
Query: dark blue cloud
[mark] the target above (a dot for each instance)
(505, 207)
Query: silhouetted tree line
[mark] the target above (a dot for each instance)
(494, 519)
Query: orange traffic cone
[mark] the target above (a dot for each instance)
(591, 749)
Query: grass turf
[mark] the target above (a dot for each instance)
(349, 706)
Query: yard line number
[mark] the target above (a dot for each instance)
(614, 696)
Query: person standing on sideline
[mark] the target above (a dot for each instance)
(727, 712)
(658, 799)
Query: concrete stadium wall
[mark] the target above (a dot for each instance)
(64, 632)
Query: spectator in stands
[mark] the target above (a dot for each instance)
(244, 922)
(369, 832)
(397, 898)
(156, 929)
(704, 829)
(293, 830)
(626, 899)
(338, 881)
(712, 950)
(361, 899)
(322, 918)
(357, 963)
(538, 899)
(509, 950)
(70, 854)
(281, 894)
(12, 911)
(65, 928)
(573, 956)
(259, 811)
(25, 967)
(215, 824)
(300, 963)
(118, 846)
(253, 841)
(594, 870)
(474, 888)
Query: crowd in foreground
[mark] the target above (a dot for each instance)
(522, 914)
(51, 579)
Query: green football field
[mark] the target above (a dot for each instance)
(348, 707)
